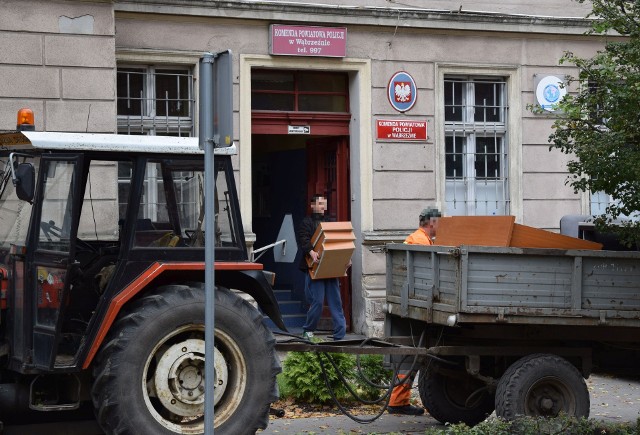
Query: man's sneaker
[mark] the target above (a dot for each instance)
(405, 409)
(307, 335)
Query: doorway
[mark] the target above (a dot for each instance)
(300, 146)
(287, 171)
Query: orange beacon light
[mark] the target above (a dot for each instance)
(25, 120)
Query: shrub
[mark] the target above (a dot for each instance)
(303, 380)
(372, 368)
(302, 377)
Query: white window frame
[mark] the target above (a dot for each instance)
(598, 203)
(152, 59)
(149, 122)
(512, 134)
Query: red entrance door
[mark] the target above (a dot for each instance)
(328, 175)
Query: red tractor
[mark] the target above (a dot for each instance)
(102, 286)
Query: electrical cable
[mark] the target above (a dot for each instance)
(354, 394)
(386, 397)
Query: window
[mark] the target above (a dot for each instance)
(187, 189)
(14, 213)
(476, 163)
(155, 226)
(155, 100)
(597, 99)
(299, 91)
(55, 226)
(106, 199)
(170, 185)
(600, 201)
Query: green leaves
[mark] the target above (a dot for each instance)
(302, 377)
(600, 125)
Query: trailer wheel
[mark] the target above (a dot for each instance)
(542, 385)
(149, 374)
(452, 396)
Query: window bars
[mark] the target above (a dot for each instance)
(476, 144)
(155, 100)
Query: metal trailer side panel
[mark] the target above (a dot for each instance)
(421, 281)
(610, 284)
(515, 285)
(523, 281)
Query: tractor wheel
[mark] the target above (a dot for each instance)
(452, 396)
(542, 385)
(149, 374)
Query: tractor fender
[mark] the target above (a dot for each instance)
(247, 277)
(254, 283)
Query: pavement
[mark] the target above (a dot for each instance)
(343, 425)
(613, 399)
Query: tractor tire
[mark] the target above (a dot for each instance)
(454, 398)
(542, 385)
(149, 373)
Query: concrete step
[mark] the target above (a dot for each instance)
(282, 295)
(290, 321)
(293, 312)
(291, 307)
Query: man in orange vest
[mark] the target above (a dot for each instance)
(428, 226)
(424, 235)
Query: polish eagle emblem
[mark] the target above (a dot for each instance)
(402, 92)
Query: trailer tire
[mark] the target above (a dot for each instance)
(149, 373)
(446, 397)
(542, 385)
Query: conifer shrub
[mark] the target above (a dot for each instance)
(302, 377)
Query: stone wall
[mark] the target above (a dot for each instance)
(58, 58)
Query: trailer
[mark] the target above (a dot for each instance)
(515, 330)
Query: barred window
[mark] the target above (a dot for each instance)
(158, 101)
(476, 160)
(155, 100)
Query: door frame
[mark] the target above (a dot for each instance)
(338, 207)
(359, 132)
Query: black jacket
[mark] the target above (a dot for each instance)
(303, 236)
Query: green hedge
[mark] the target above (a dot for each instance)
(302, 377)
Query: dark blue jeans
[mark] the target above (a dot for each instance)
(316, 290)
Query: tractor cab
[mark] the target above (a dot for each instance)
(82, 216)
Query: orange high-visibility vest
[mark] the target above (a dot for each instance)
(418, 237)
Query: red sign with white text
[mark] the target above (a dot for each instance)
(401, 130)
(308, 41)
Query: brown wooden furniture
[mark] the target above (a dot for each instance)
(502, 231)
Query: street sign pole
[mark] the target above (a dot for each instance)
(216, 131)
(206, 143)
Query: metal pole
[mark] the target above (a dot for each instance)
(206, 143)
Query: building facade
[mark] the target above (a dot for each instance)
(385, 107)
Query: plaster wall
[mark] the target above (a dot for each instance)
(58, 58)
(556, 8)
